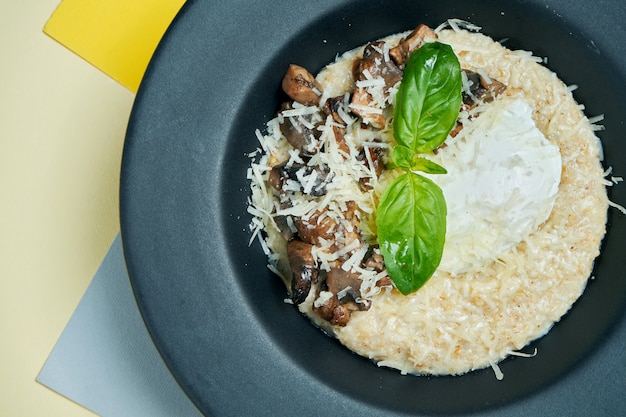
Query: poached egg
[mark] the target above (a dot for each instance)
(502, 181)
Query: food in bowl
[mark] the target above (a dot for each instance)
(499, 224)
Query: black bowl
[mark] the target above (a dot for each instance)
(213, 309)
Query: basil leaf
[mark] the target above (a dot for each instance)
(427, 166)
(428, 99)
(404, 158)
(411, 222)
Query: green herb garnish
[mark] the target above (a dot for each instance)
(411, 214)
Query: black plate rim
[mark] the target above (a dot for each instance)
(131, 183)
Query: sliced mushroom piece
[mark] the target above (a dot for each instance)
(317, 226)
(302, 132)
(345, 283)
(335, 313)
(300, 85)
(376, 64)
(286, 227)
(455, 131)
(322, 225)
(340, 138)
(327, 308)
(338, 310)
(362, 104)
(303, 269)
(384, 282)
(374, 158)
(410, 43)
(350, 212)
(480, 89)
(374, 260)
(333, 106)
(342, 313)
(475, 89)
(494, 88)
(298, 177)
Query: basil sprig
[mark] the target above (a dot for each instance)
(411, 213)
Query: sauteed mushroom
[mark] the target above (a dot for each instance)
(303, 269)
(411, 43)
(301, 86)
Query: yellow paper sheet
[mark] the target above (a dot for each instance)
(116, 36)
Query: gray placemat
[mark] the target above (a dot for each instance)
(105, 359)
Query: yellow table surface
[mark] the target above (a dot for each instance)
(62, 125)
